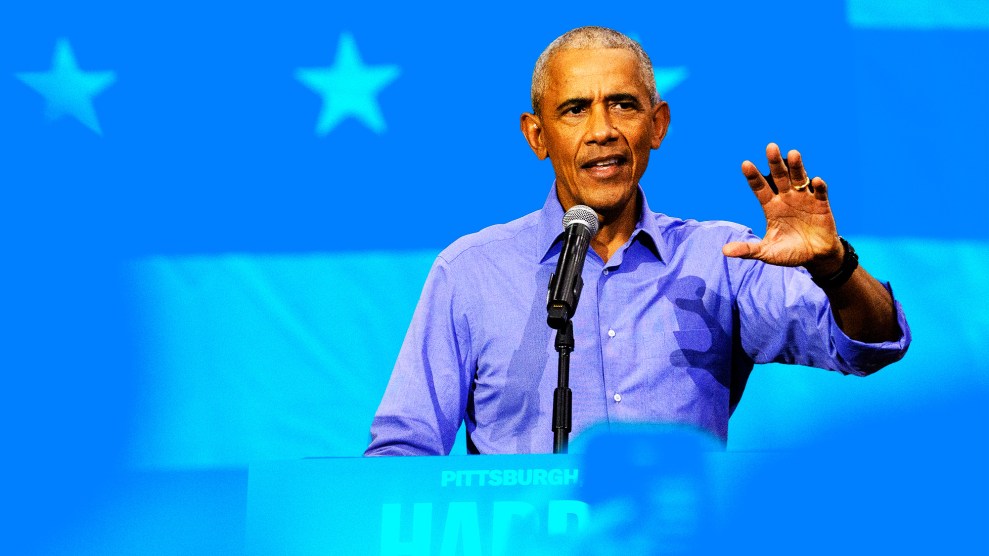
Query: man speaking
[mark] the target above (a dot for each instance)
(672, 314)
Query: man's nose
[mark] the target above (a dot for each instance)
(599, 126)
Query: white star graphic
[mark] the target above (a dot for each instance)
(668, 78)
(349, 88)
(69, 90)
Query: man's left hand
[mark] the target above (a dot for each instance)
(800, 229)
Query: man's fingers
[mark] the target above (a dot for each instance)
(741, 249)
(797, 173)
(820, 189)
(777, 167)
(757, 182)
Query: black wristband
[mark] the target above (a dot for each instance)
(848, 265)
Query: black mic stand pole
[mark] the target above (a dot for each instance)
(562, 396)
(580, 224)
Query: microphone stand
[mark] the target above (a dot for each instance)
(580, 224)
(563, 396)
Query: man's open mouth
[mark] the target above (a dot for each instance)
(605, 162)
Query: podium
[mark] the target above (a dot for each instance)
(473, 505)
(627, 492)
(412, 505)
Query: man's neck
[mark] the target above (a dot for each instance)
(615, 230)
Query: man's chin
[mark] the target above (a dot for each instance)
(604, 196)
(604, 203)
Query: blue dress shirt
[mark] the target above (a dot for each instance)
(666, 331)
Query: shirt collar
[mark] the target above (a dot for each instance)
(647, 230)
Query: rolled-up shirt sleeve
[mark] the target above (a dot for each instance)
(423, 405)
(861, 358)
(785, 318)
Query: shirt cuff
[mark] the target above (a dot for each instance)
(862, 358)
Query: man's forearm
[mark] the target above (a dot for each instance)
(863, 309)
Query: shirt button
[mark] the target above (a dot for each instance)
(611, 333)
(617, 397)
(606, 271)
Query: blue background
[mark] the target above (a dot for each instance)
(209, 282)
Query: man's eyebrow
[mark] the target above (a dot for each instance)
(583, 101)
(622, 97)
(572, 102)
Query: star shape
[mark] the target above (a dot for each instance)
(68, 90)
(668, 78)
(349, 88)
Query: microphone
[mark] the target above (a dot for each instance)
(580, 224)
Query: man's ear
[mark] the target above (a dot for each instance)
(661, 122)
(532, 128)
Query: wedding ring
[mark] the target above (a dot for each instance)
(802, 186)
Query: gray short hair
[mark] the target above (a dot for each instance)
(591, 37)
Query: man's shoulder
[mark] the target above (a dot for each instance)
(677, 231)
(520, 233)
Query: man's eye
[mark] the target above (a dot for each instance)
(575, 110)
(627, 105)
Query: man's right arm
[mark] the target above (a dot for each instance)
(426, 397)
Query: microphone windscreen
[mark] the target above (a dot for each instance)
(582, 214)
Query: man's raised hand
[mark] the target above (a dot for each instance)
(800, 229)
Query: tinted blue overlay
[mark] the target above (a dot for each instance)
(216, 219)
(286, 356)
(919, 14)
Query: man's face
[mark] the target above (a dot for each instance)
(597, 126)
